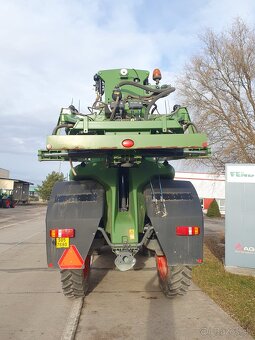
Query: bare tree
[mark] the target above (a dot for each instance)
(219, 87)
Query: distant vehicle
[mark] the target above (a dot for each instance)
(6, 200)
(20, 192)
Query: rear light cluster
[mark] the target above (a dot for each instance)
(187, 231)
(54, 233)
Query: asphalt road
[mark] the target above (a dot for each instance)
(31, 302)
(120, 305)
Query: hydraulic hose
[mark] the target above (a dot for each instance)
(61, 126)
(190, 124)
(114, 108)
(162, 94)
(144, 87)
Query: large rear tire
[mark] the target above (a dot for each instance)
(75, 282)
(173, 280)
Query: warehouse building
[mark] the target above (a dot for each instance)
(17, 188)
(208, 186)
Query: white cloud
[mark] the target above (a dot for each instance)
(220, 14)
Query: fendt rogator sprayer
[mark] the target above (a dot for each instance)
(123, 193)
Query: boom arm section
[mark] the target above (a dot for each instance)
(124, 124)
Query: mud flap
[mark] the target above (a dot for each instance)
(78, 205)
(181, 207)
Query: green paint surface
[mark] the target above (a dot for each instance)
(122, 111)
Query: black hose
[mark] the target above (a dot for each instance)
(190, 124)
(114, 108)
(155, 108)
(144, 87)
(163, 94)
(61, 126)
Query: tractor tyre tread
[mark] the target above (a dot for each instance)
(177, 281)
(74, 284)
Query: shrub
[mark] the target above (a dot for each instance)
(45, 189)
(213, 210)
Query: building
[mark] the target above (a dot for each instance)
(208, 187)
(17, 188)
(4, 173)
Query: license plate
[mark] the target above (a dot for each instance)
(62, 242)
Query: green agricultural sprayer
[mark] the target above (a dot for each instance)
(123, 193)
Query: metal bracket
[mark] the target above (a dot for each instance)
(164, 123)
(127, 245)
(85, 124)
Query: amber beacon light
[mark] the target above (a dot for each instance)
(156, 75)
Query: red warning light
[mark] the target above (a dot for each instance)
(71, 259)
(128, 143)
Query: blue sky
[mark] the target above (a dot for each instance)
(51, 49)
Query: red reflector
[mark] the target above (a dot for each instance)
(187, 231)
(162, 266)
(205, 145)
(71, 259)
(128, 143)
(61, 233)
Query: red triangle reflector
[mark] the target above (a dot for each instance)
(71, 259)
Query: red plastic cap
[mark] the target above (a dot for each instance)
(128, 143)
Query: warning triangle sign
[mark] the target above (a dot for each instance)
(71, 259)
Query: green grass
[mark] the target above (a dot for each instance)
(234, 293)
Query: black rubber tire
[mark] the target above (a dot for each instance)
(74, 283)
(177, 281)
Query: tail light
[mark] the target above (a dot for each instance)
(54, 233)
(187, 231)
(128, 143)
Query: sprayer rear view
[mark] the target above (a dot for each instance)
(123, 193)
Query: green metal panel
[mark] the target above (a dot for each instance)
(95, 139)
(85, 142)
(119, 223)
(113, 77)
(117, 126)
